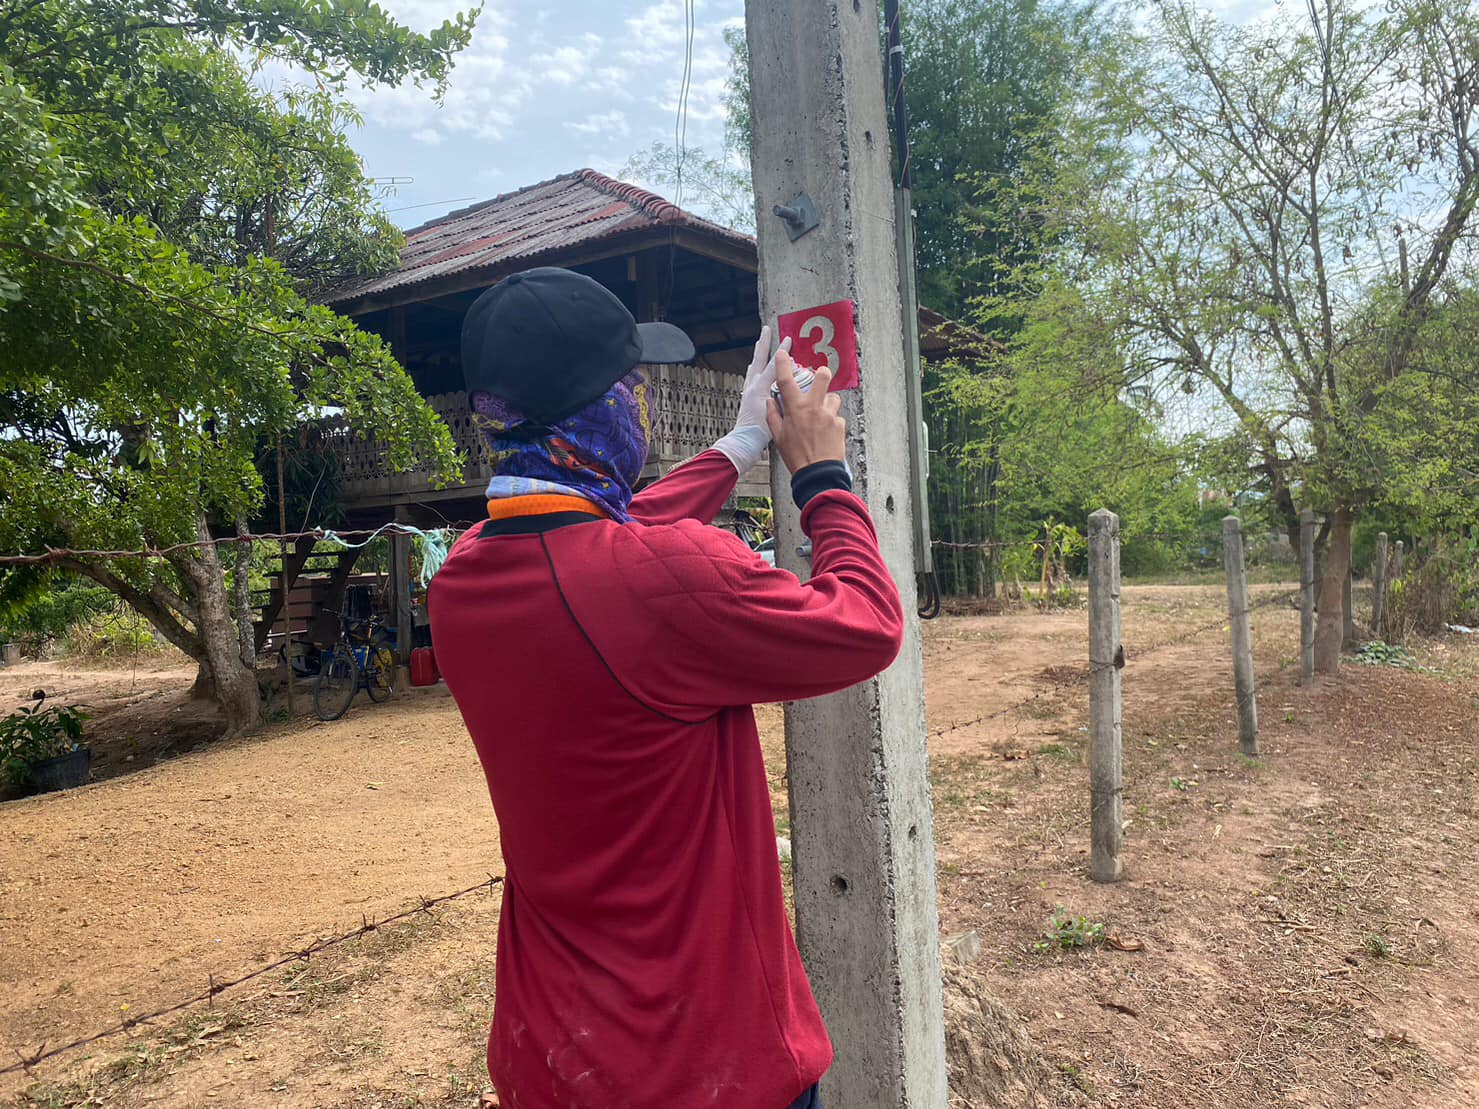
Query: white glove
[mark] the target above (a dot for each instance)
(751, 435)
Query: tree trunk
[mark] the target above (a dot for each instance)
(198, 619)
(242, 596)
(1347, 599)
(235, 682)
(204, 688)
(1330, 629)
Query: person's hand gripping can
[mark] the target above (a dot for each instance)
(804, 378)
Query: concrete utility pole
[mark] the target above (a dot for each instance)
(862, 825)
(1106, 704)
(1242, 634)
(1307, 596)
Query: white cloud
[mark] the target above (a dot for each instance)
(658, 32)
(706, 85)
(484, 93)
(613, 123)
(609, 81)
(423, 15)
(544, 85)
(567, 64)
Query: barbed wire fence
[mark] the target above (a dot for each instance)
(214, 987)
(1083, 679)
(25, 1061)
(326, 535)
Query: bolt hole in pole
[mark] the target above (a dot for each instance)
(839, 885)
(889, 503)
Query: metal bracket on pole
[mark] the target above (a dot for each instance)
(800, 215)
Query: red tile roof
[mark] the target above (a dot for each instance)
(551, 218)
(543, 223)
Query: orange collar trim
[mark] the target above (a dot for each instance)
(541, 504)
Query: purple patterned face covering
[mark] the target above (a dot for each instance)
(598, 453)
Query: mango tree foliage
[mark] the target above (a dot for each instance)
(162, 222)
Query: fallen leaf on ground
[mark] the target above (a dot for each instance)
(1124, 943)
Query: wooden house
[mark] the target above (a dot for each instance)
(664, 264)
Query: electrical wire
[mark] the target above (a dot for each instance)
(930, 605)
(685, 86)
(896, 101)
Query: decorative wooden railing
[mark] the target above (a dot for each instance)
(694, 407)
(364, 475)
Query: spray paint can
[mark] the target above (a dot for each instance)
(804, 378)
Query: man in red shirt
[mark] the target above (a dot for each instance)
(605, 650)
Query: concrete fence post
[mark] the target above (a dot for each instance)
(1307, 596)
(1396, 574)
(1106, 660)
(1379, 584)
(1242, 634)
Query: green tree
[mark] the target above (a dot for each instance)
(986, 81)
(983, 80)
(1027, 437)
(983, 77)
(162, 221)
(1293, 194)
(717, 188)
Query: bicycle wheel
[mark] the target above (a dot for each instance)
(380, 673)
(338, 678)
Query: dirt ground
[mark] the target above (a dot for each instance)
(1298, 926)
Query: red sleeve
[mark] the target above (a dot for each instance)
(706, 624)
(696, 490)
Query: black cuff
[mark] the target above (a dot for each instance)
(818, 478)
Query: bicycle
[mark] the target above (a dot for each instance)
(356, 659)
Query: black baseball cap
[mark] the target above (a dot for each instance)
(549, 341)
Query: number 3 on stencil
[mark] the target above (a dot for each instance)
(828, 331)
(823, 346)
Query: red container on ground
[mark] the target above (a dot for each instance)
(424, 667)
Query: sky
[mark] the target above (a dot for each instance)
(546, 87)
(550, 86)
